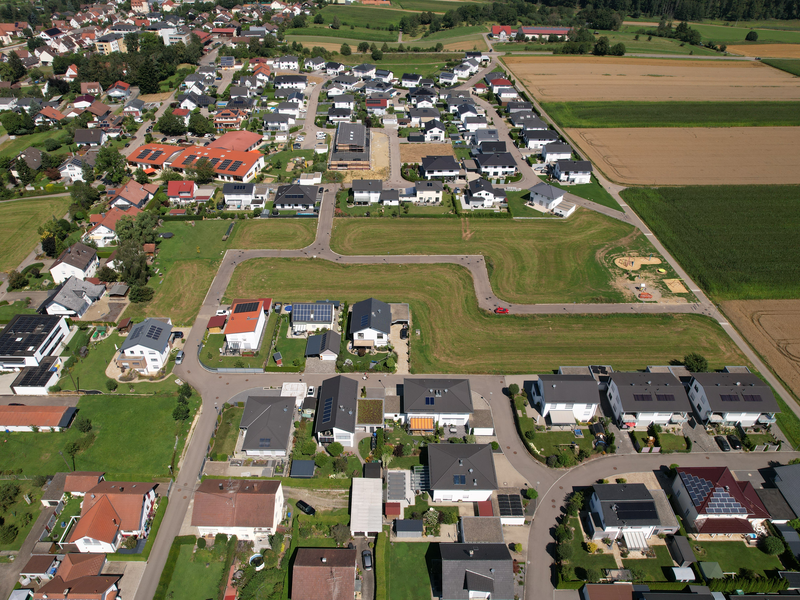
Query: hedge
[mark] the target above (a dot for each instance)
(380, 567)
(180, 218)
(172, 562)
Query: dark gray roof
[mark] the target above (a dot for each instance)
(787, 479)
(615, 492)
(492, 147)
(276, 118)
(78, 255)
(150, 333)
(480, 185)
(371, 314)
(502, 159)
(136, 103)
(373, 470)
(680, 549)
(657, 392)
(238, 188)
(627, 504)
(790, 535)
(736, 392)
(25, 334)
(346, 79)
(433, 124)
(540, 135)
(302, 469)
(776, 505)
(338, 402)
(367, 185)
(424, 112)
(317, 344)
(548, 191)
(567, 389)
(296, 194)
(88, 136)
(339, 112)
(557, 148)
(435, 186)
(476, 567)
(582, 166)
(279, 79)
(439, 163)
(409, 525)
(474, 463)
(437, 396)
(792, 577)
(352, 134)
(268, 422)
(343, 98)
(366, 67)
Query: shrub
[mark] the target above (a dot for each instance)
(772, 545)
(530, 435)
(54, 388)
(201, 543)
(593, 574)
(531, 494)
(563, 552)
(321, 460)
(591, 547)
(39, 480)
(518, 548)
(8, 533)
(695, 363)
(83, 424)
(111, 385)
(308, 447)
(513, 389)
(140, 293)
(16, 280)
(181, 412)
(495, 446)
(340, 464)
(562, 533)
(752, 36)
(335, 449)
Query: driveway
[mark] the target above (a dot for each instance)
(367, 577)
(400, 347)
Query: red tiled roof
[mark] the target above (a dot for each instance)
(149, 248)
(724, 526)
(75, 565)
(332, 578)
(244, 322)
(121, 85)
(240, 503)
(501, 81)
(247, 159)
(741, 491)
(52, 113)
(216, 321)
(165, 149)
(240, 141)
(392, 509)
(497, 29)
(97, 587)
(40, 416)
(605, 591)
(82, 481)
(99, 522)
(181, 112)
(127, 498)
(176, 212)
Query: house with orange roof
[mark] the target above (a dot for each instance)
(103, 226)
(78, 483)
(245, 325)
(134, 194)
(78, 577)
(154, 156)
(248, 509)
(49, 115)
(120, 90)
(36, 418)
(239, 141)
(229, 118)
(112, 511)
(71, 74)
(228, 165)
(183, 113)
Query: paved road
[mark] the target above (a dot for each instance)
(9, 572)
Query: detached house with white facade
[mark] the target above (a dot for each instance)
(573, 171)
(639, 399)
(367, 191)
(146, 348)
(482, 194)
(336, 411)
(245, 326)
(370, 323)
(566, 398)
(732, 398)
(428, 403)
(79, 260)
(28, 339)
(249, 509)
(461, 472)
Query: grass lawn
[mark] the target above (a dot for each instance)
(441, 6)
(735, 35)
(424, 64)
(20, 513)
(363, 16)
(121, 449)
(196, 575)
(788, 65)
(656, 45)
(717, 233)
(361, 34)
(228, 431)
(516, 205)
(405, 559)
(12, 148)
(449, 34)
(7, 311)
(92, 371)
(673, 114)
(590, 191)
(415, 209)
(672, 442)
(733, 556)
(654, 569)
(554, 442)
(213, 345)
(290, 349)
(529, 261)
(581, 560)
(457, 337)
(21, 220)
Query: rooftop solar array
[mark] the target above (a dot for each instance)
(154, 332)
(642, 397)
(188, 160)
(697, 487)
(225, 164)
(214, 162)
(327, 410)
(634, 511)
(156, 154)
(729, 397)
(143, 153)
(722, 503)
(459, 480)
(245, 307)
(751, 397)
(235, 166)
(665, 397)
(510, 505)
(36, 376)
(264, 442)
(322, 313)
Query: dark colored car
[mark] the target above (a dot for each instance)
(366, 556)
(306, 508)
(735, 442)
(177, 334)
(722, 443)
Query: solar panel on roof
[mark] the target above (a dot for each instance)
(245, 307)
(364, 320)
(729, 397)
(188, 160)
(156, 154)
(225, 164)
(154, 332)
(235, 166)
(214, 161)
(642, 397)
(143, 153)
(665, 397)
(751, 397)
(510, 505)
(264, 442)
(327, 409)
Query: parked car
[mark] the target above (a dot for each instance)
(320, 135)
(366, 556)
(722, 443)
(177, 334)
(501, 311)
(179, 357)
(306, 508)
(223, 311)
(311, 391)
(735, 442)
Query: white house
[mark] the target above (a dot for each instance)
(27, 339)
(79, 260)
(266, 425)
(448, 78)
(334, 68)
(365, 71)
(573, 171)
(472, 124)
(427, 403)
(314, 64)
(242, 195)
(732, 398)
(344, 101)
(370, 323)
(639, 399)
(500, 164)
(103, 230)
(462, 71)
(624, 510)
(278, 122)
(383, 75)
(288, 63)
(290, 82)
(74, 298)
(546, 196)
(336, 411)
(444, 167)
(245, 325)
(461, 472)
(535, 139)
(566, 398)
(146, 348)
(555, 152)
(312, 317)
(481, 194)
(249, 509)
(434, 131)
(428, 192)
(367, 191)
(410, 80)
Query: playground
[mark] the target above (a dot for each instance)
(634, 263)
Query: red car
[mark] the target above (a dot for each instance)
(501, 311)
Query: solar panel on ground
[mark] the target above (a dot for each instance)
(245, 307)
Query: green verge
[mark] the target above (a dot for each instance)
(587, 115)
(736, 242)
(172, 562)
(788, 65)
(381, 566)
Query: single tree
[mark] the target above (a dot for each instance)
(335, 24)
(140, 176)
(107, 274)
(141, 293)
(385, 47)
(377, 55)
(83, 424)
(602, 47)
(513, 390)
(16, 280)
(695, 362)
(203, 171)
(112, 163)
(345, 50)
(772, 545)
(752, 36)
(335, 449)
(200, 125)
(363, 47)
(25, 174)
(318, 19)
(169, 124)
(111, 385)
(18, 70)
(340, 533)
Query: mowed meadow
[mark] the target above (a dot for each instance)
(458, 337)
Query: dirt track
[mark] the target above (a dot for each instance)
(694, 156)
(572, 78)
(767, 50)
(413, 153)
(773, 328)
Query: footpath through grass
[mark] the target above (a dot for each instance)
(21, 220)
(673, 114)
(736, 242)
(458, 337)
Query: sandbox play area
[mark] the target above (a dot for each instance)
(634, 263)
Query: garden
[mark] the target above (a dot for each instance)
(18, 515)
(227, 434)
(333, 463)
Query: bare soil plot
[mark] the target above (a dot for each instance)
(156, 97)
(768, 50)
(572, 78)
(773, 328)
(694, 156)
(676, 286)
(379, 159)
(413, 153)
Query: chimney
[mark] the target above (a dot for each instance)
(471, 552)
(324, 559)
(114, 520)
(460, 463)
(220, 486)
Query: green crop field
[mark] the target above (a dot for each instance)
(788, 65)
(456, 336)
(737, 242)
(359, 33)
(399, 63)
(362, 16)
(457, 32)
(543, 261)
(440, 6)
(674, 114)
(735, 35)
(656, 45)
(22, 218)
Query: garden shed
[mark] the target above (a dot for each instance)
(408, 528)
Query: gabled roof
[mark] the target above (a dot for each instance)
(72, 292)
(178, 188)
(39, 416)
(100, 521)
(371, 314)
(715, 491)
(330, 341)
(433, 124)
(235, 503)
(267, 421)
(82, 481)
(337, 406)
(136, 193)
(485, 568)
(651, 392)
(581, 166)
(52, 113)
(88, 136)
(150, 333)
(85, 588)
(439, 163)
(78, 255)
(502, 159)
(244, 317)
(74, 566)
(736, 392)
(437, 396)
(324, 573)
(553, 193)
(110, 218)
(452, 464)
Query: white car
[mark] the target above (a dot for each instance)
(301, 138)
(223, 311)
(321, 135)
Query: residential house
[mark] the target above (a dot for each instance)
(28, 339)
(77, 577)
(383, 76)
(79, 261)
(243, 195)
(344, 101)
(93, 88)
(712, 501)
(428, 403)
(181, 193)
(146, 348)
(448, 78)
(514, 107)
(314, 64)
(422, 97)
(489, 148)
(462, 71)
(464, 111)
(32, 158)
(336, 411)
(103, 229)
(135, 109)
(339, 115)
(134, 194)
(73, 298)
(573, 171)
(440, 167)
(49, 115)
(7, 103)
(346, 82)
(428, 192)
(71, 73)
(288, 63)
(90, 137)
(461, 472)
(477, 571)
(112, 511)
(296, 197)
(249, 509)
(328, 573)
(245, 326)
(498, 83)
(325, 346)
(370, 323)
(154, 156)
(546, 196)
(18, 417)
(536, 139)
(627, 511)
(410, 80)
(552, 153)
(229, 165)
(434, 131)
(731, 399)
(266, 426)
(72, 168)
(192, 101)
(376, 106)
(276, 122)
(526, 119)
(290, 82)
(289, 108)
(363, 71)
(310, 317)
(639, 399)
(227, 118)
(496, 165)
(334, 68)
(419, 116)
(472, 124)
(367, 191)
(481, 194)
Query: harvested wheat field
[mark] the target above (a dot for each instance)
(695, 155)
(773, 328)
(767, 50)
(413, 153)
(573, 78)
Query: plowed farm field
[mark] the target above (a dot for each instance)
(773, 329)
(573, 78)
(695, 155)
